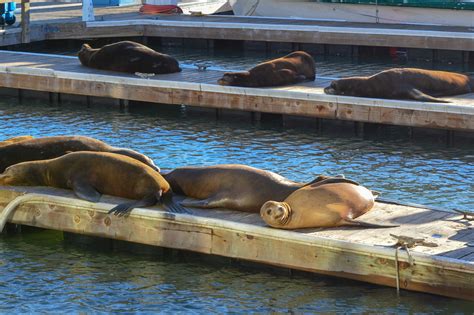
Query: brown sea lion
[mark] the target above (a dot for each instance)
(91, 174)
(127, 56)
(293, 68)
(51, 147)
(404, 83)
(15, 140)
(323, 204)
(232, 186)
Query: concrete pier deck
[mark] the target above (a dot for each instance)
(63, 21)
(443, 264)
(64, 74)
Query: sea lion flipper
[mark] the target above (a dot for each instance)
(125, 208)
(423, 97)
(323, 180)
(211, 202)
(172, 206)
(84, 190)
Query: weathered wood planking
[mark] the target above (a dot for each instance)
(366, 255)
(62, 74)
(64, 21)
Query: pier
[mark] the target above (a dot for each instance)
(63, 74)
(64, 21)
(439, 260)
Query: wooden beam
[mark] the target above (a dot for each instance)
(60, 210)
(25, 21)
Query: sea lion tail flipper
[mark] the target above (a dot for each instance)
(85, 191)
(423, 97)
(173, 206)
(322, 180)
(366, 224)
(126, 207)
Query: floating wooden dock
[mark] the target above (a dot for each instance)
(444, 267)
(63, 74)
(64, 21)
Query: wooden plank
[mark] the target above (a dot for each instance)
(220, 234)
(61, 74)
(64, 22)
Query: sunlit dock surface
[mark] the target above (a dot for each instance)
(63, 21)
(64, 74)
(442, 262)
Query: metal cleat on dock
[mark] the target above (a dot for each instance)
(467, 215)
(410, 242)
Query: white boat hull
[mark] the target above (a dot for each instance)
(205, 6)
(353, 12)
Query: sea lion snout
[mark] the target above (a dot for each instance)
(226, 79)
(275, 213)
(332, 89)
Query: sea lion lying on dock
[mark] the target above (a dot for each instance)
(51, 147)
(127, 56)
(91, 174)
(322, 204)
(404, 83)
(14, 140)
(231, 186)
(293, 68)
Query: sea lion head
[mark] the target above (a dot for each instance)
(18, 175)
(276, 214)
(346, 86)
(168, 64)
(227, 79)
(85, 53)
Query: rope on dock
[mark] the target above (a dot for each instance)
(407, 242)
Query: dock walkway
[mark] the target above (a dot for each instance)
(63, 21)
(64, 74)
(445, 267)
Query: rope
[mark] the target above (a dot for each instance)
(407, 242)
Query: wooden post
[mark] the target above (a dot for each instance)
(359, 129)
(87, 11)
(25, 21)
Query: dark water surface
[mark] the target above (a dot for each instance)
(40, 272)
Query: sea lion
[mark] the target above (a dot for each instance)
(293, 68)
(15, 140)
(91, 174)
(232, 186)
(51, 147)
(323, 204)
(127, 56)
(404, 83)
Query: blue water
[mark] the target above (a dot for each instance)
(41, 273)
